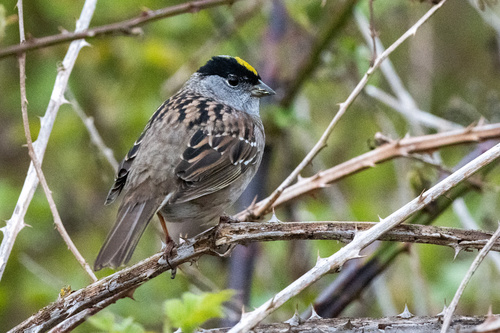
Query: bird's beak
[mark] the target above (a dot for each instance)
(261, 89)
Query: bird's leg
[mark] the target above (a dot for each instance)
(169, 244)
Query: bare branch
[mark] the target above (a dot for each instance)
(397, 148)
(127, 27)
(32, 154)
(16, 222)
(411, 111)
(268, 202)
(95, 137)
(365, 325)
(95, 297)
(475, 264)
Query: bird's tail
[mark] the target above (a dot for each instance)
(132, 220)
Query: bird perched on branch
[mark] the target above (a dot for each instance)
(195, 157)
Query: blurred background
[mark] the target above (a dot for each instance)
(313, 54)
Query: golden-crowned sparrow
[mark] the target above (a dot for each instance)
(195, 157)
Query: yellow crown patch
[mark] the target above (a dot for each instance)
(246, 65)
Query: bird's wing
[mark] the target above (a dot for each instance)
(215, 158)
(126, 163)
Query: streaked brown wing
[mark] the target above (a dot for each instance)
(126, 163)
(212, 162)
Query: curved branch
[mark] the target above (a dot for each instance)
(127, 27)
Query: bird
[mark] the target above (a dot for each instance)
(194, 158)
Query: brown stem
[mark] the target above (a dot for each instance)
(127, 27)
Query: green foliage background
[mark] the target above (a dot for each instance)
(451, 67)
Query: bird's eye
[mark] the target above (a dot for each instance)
(232, 80)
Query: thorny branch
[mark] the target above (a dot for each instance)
(95, 297)
(396, 148)
(363, 239)
(127, 27)
(267, 203)
(475, 264)
(36, 163)
(16, 223)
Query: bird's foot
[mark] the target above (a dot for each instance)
(170, 251)
(227, 219)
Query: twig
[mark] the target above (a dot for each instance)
(98, 295)
(95, 137)
(268, 202)
(362, 239)
(127, 27)
(413, 113)
(462, 212)
(475, 264)
(402, 147)
(36, 163)
(345, 232)
(404, 103)
(386, 67)
(16, 222)
(373, 31)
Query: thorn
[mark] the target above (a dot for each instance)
(469, 128)
(314, 314)
(130, 293)
(318, 258)
(295, 320)
(252, 206)
(380, 219)
(358, 256)
(64, 100)
(243, 313)
(406, 314)
(369, 164)
(84, 43)
(457, 248)
(271, 303)
(490, 312)
(274, 218)
(348, 325)
(357, 234)
(443, 312)
(421, 196)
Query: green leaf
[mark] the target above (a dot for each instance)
(107, 322)
(193, 310)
